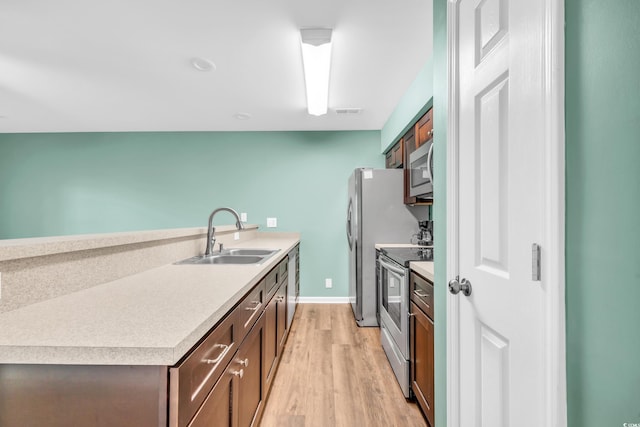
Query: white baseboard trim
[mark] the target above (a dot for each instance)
(323, 300)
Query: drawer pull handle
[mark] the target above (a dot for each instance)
(215, 361)
(420, 294)
(254, 308)
(225, 350)
(239, 373)
(244, 362)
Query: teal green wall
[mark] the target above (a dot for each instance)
(60, 184)
(413, 104)
(439, 211)
(603, 202)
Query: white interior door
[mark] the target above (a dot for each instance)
(504, 369)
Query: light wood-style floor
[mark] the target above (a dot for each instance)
(333, 373)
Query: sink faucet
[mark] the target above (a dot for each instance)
(211, 238)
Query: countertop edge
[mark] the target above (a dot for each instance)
(11, 249)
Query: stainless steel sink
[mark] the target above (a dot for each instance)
(260, 252)
(232, 256)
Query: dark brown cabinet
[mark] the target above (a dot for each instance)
(421, 344)
(424, 128)
(276, 323)
(218, 409)
(249, 362)
(237, 399)
(220, 381)
(192, 379)
(271, 341)
(394, 158)
(240, 356)
(281, 318)
(409, 147)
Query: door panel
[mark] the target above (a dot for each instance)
(502, 322)
(422, 361)
(250, 387)
(491, 161)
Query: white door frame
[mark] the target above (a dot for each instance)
(553, 259)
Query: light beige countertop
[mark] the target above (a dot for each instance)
(150, 318)
(423, 268)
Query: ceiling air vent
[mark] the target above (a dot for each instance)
(348, 110)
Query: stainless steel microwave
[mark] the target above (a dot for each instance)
(421, 171)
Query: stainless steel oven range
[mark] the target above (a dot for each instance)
(393, 278)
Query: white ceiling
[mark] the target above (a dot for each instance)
(125, 65)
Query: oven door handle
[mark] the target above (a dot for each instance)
(385, 264)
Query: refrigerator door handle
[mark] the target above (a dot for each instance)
(349, 215)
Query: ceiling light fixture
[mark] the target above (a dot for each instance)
(316, 60)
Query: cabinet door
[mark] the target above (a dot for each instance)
(394, 157)
(220, 407)
(409, 147)
(398, 154)
(421, 341)
(250, 360)
(389, 160)
(281, 327)
(424, 128)
(271, 341)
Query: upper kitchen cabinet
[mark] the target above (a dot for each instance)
(424, 128)
(394, 158)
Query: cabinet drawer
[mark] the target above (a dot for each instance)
(192, 379)
(421, 291)
(250, 308)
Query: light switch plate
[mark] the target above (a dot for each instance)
(272, 222)
(328, 283)
(243, 216)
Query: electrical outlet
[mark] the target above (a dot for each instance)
(328, 283)
(243, 216)
(272, 222)
(236, 235)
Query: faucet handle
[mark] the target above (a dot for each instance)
(221, 246)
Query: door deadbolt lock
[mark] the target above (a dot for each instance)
(463, 286)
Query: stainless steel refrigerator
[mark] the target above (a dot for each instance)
(376, 214)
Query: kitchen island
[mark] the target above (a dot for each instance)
(104, 352)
